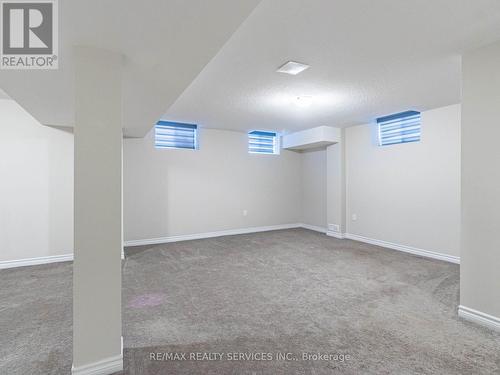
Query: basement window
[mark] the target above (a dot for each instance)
(401, 127)
(176, 135)
(263, 142)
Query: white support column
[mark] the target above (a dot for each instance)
(97, 326)
(335, 188)
(480, 246)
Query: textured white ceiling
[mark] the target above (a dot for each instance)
(368, 58)
(165, 44)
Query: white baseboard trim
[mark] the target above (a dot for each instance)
(313, 227)
(39, 260)
(479, 317)
(152, 241)
(35, 261)
(199, 236)
(404, 248)
(338, 235)
(105, 366)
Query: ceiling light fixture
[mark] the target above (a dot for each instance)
(303, 101)
(292, 67)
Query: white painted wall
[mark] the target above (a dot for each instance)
(180, 192)
(314, 187)
(170, 192)
(335, 186)
(36, 186)
(407, 194)
(480, 266)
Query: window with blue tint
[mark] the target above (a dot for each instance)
(261, 142)
(401, 127)
(176, 135)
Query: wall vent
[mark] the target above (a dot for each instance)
(334, 228)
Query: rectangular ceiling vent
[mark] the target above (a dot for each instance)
(292, 67)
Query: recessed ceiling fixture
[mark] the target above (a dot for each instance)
(303, 101)
(292, 67)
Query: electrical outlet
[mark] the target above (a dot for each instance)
(354, 217)
(245, 212)
(334, 228)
